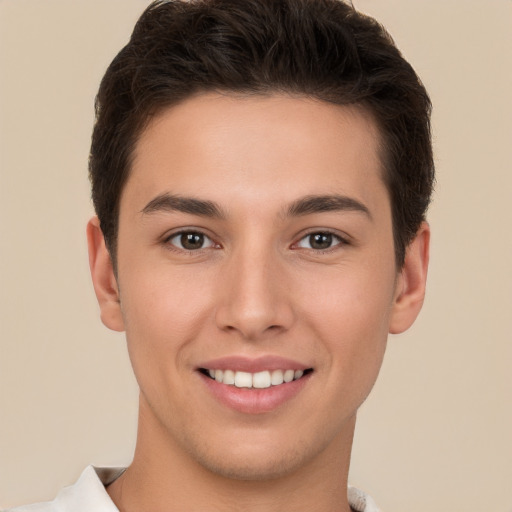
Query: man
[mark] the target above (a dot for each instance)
(261, 171)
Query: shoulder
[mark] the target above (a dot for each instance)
(87, 494)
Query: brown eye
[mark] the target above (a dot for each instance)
(190, 241)
(320, 241)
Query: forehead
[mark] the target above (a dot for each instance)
(227, 145)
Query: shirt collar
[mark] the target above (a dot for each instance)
(89, 493)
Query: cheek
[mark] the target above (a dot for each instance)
(163, 314)
(352, 302)
(350, 315)
(163, 301)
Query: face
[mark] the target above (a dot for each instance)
(256, 279)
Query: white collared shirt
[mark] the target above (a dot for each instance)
(88, 494)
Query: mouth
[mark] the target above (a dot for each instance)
(259, 380)
(254, 386)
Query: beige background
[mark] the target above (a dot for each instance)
(435, 434)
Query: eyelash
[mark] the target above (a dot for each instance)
(341, 241)
(170, 245)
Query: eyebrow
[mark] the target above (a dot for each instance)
(175, 203)
(326, 203)
(304, 206)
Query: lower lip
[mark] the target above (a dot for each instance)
(254, 400)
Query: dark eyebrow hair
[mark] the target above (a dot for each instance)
(326, 203)
(169, 203)
(303, 206)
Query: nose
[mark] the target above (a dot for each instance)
(254, 296)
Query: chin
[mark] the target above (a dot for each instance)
(265, 457)
(260, 468)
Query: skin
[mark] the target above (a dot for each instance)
(257, 286)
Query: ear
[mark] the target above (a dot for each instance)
(103, 277)
(410, 286)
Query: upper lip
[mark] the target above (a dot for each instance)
(253, 365)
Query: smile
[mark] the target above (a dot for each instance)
(259, 380)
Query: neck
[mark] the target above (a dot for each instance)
(163, 477)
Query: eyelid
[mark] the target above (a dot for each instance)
(181, 231)
(343, 240)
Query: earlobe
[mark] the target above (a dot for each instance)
(410, 289)
(103, 277)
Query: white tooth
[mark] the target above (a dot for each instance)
(211, 373)
(288, 375)
(261, 380)
(243, 380)
(298, 374)
(218, 375)
(229, 377)
(277, 377)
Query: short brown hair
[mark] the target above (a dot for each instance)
(322, 49)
